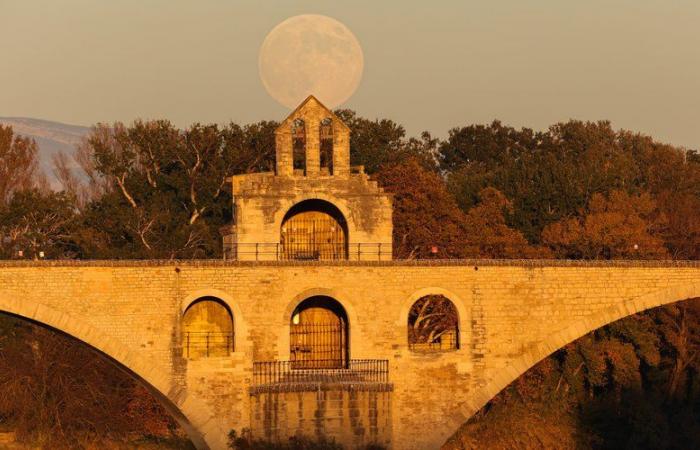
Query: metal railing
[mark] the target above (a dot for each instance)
(320, 252)
(276, 373)
(445, 343)
(326, 251)
(207, 344)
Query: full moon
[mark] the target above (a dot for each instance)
(310, 54)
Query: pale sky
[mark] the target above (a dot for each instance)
(428, 64)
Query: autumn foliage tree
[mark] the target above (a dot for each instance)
(487, 235)
(612, 227)
(59, 393)
(18, 163)
(626, 385)
(425, 214)
(426, 217)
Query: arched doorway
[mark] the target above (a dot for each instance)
(318, 336)
(314, 230)
(207, 329)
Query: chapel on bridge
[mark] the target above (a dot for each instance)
(314, 206)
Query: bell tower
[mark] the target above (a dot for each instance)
(314, 140)
(314, 206)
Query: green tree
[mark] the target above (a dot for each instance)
(35, 222)
(373, 142)
(487, 145)
(547, 176)
(168, 193)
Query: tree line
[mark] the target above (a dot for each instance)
(578, 190)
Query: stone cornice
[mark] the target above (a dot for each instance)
(476, 263)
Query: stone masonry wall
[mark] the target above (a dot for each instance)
(356, 418)
(511, 315)
(262, 200)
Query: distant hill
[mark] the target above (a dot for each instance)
(51, 137)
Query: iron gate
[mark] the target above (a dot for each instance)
(313, 235)
(318, 346)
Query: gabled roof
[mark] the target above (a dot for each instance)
(310, 99)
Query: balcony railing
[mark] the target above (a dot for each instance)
(282, 375)
(307, 252)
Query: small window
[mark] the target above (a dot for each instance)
(299, 144)
(314, 230)
(433, 325)
(207, 329)
(326, 142)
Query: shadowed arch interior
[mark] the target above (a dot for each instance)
(132, 372)
(319, 334)
(207, 327)
(299, 145)
(314, 230)
(433, 325)
(326, 145)
(518, 367)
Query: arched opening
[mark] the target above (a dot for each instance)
(326, 145)
(314, 230)
(318, 336)
(433, 325)
(625, 383)
(299, 145)
(207, 329)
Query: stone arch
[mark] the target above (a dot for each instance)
(341, 205)
(462, 312)
(319, 334)
(240, 326)
(559, 339)
(354, 337)
(192, 414)
(207, 329)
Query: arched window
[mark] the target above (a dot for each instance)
(207, 329)
(314, 230)
(299, 144)
(433, 325)
(318, 336)
(326, 142)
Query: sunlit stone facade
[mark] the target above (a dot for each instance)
(353, 214)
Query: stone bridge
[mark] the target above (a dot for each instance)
(511, 315)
